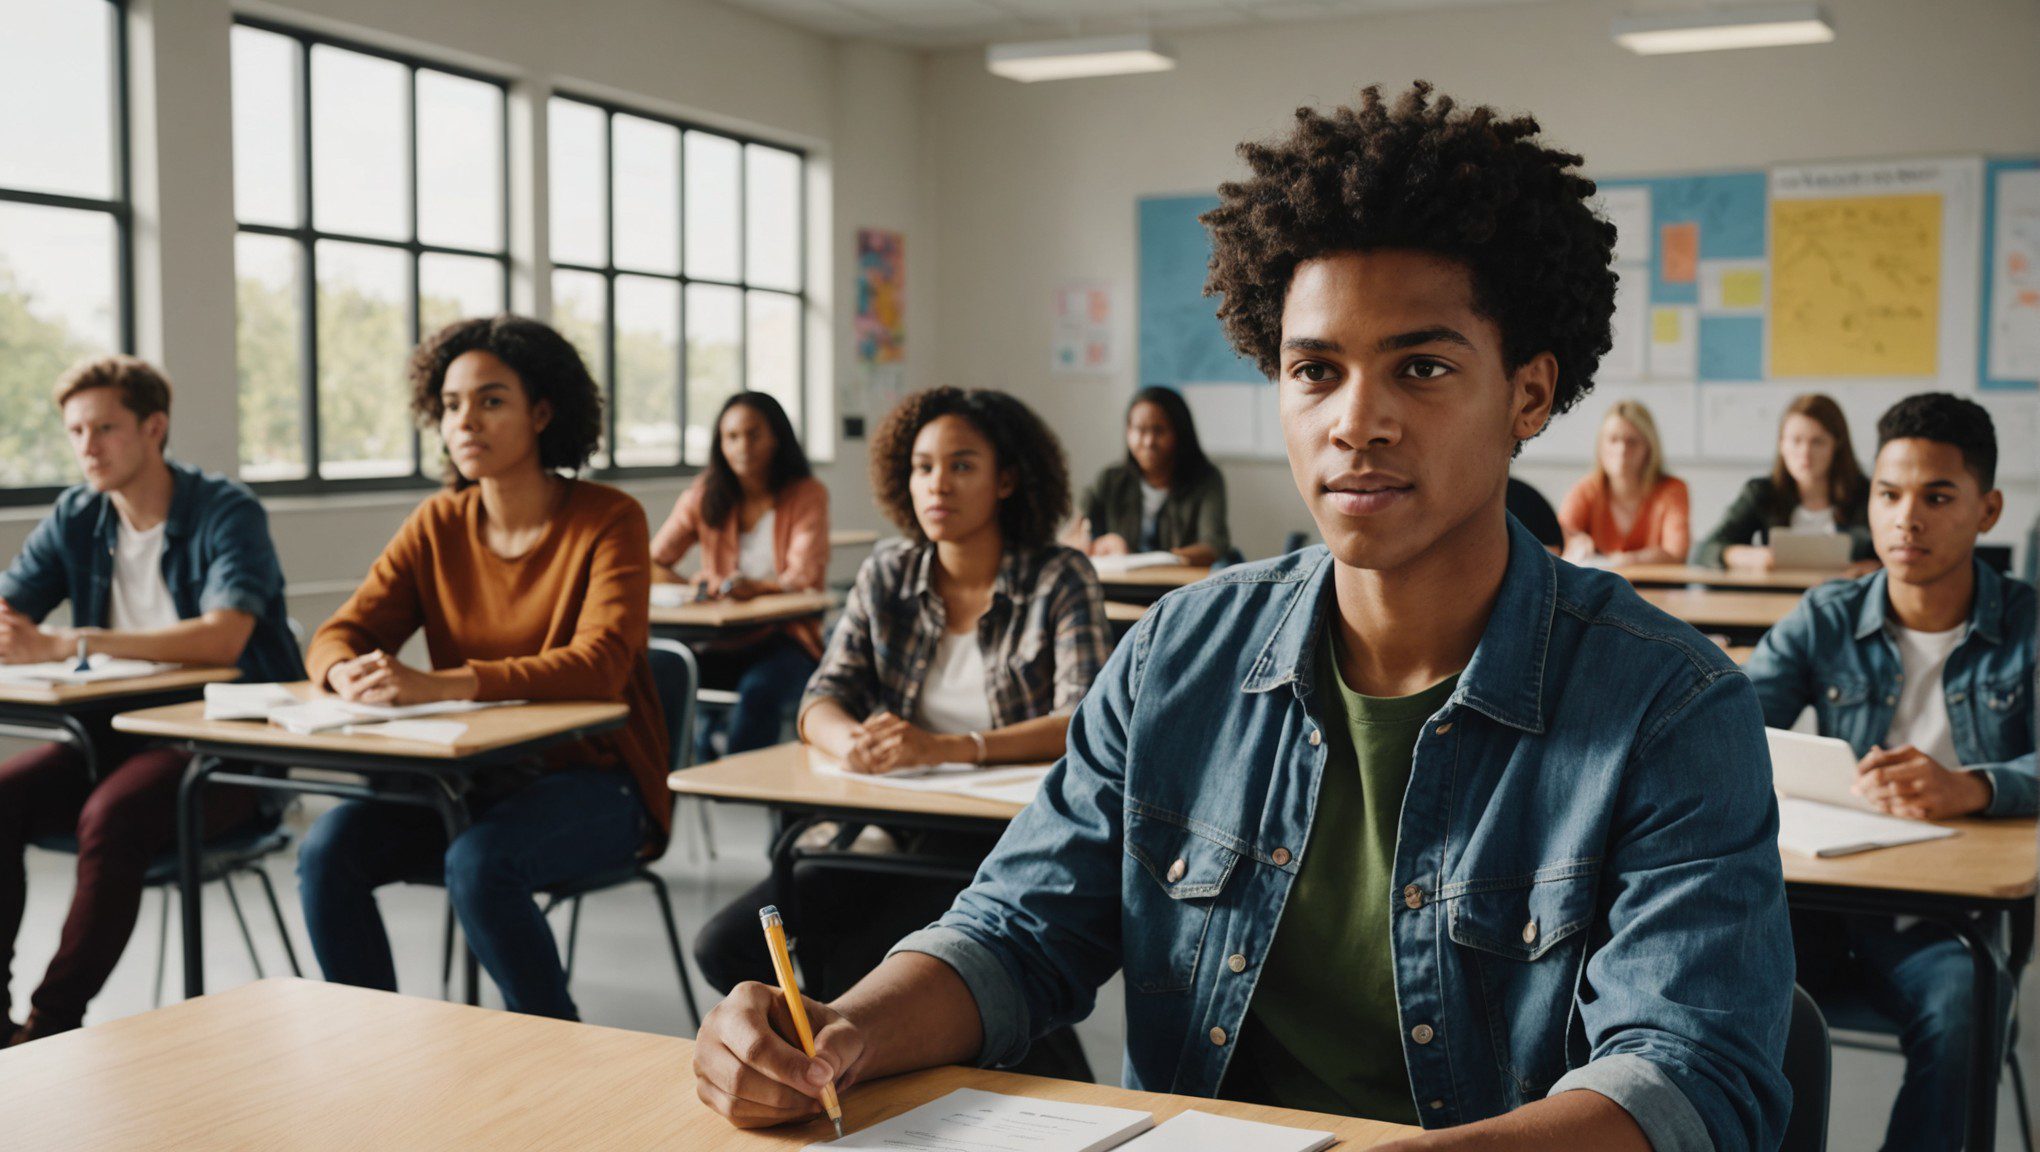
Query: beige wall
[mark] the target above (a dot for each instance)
(1035, 184)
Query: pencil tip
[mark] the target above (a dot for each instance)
(839, 1127)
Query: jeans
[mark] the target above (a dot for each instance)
(1921, 977)
(121, 826)
(768, 678)
(561, 826)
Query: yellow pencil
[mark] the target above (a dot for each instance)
(782, 964)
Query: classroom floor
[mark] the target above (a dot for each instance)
(624, 976)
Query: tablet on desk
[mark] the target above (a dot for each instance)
(1815, 768)
(1822, 551)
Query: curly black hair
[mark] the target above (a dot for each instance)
(1471, 186)
(542, 358)
(1945, 419)
(1021, 444)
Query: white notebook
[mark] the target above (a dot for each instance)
(1120, 565)
(1206, 1132)
(98, 669)
(1811, 828)
(1011, 783)
(285, 709)
(969, 1120)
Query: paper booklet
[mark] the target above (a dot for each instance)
(1011, 783)
(285, 709)
(1819, 814)
(1117, 565)
(969, 1120)
(98, 668)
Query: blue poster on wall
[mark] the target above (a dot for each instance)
(1181, 341)
(1706, 246)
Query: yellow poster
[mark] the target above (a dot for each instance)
(1856, 286)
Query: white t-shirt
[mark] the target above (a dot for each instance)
(953, 697)
(754, 551)
(1922, 716)
(1806, 520)
(1151, 499)
(141, 599)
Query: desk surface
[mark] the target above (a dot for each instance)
(1777, 580)
(487, 730)
(746, 613)
(295, 1064)
(1162, 576)
(1712, 608)
(1120, 612)
(1989, 859)
(780, 775)
(58, 695)
(852, 538)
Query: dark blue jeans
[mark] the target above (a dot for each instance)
(560, 826)
(768, 678)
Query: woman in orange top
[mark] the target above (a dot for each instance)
(528, 586)
(762, 521)
(1628, 511)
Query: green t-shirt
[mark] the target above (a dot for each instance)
(1322, 1033)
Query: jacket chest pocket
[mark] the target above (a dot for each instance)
(1524, 942)
(1840, 698)
(1170, 891)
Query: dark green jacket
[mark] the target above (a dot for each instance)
(1194, 513)
(1750, 515)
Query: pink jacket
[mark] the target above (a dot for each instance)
(800, 545)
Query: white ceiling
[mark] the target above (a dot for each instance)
(952, 23)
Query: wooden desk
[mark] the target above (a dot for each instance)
(1973, 883)
(66, 711)
(311, 1067)
(1743, 615)
(705, 619)
(1120, 612)
(1146, 585)
(852, 538)
(1675, 575)
(414, 773)
(779, 777)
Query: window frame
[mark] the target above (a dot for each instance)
(606, 372)
(120, 208)
(306, 236)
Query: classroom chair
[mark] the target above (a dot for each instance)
(677, 678)
(1809, 1068)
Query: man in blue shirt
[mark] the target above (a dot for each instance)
(159, 562)
(1926, 669)
(1526, 810)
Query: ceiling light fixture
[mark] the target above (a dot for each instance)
(1710, 30)
(1073, 59)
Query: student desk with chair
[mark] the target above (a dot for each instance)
(1147, 585)
(62, 711)
(256, 754)
(700, 620)
(1745, 579)
(1743, 616)
(312, 1066)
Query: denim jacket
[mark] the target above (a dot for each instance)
(1587, 889)
(216, 554)
(1835, 653)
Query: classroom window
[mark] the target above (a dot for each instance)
(678, 256)
(372, 194)
(65, 267)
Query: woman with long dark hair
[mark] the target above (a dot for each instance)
(1166, 496)
(1815, 485)
(762, 521)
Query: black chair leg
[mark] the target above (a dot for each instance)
(2019, 1098)
(446, 956)
(276, 910)
(473, 967)
(247, 937)
(665, 902)
(573, 936)
(162, 945)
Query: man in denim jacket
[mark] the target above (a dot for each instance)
(1425, 825)
(1926, 669)
(159, 562)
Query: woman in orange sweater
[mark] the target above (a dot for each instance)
(528, 586)
(762, 521)
(1628, 511)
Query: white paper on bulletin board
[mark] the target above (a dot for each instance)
(1236, 421)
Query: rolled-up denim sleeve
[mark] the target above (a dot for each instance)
(1782, 666)
(1688, 1002)
(1038, 930)
(38, 581)
(2014, 789)
(242, 573)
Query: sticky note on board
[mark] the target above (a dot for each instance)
(1664, 325)
(1679, 253)
(1742, 288)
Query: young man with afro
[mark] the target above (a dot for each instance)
(1423, 825)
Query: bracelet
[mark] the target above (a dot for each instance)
(978, 739)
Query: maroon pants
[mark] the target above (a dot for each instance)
(121, 825)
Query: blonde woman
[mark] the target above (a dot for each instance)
(1628, 511)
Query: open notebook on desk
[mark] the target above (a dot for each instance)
(1011, 783)
(1120, 565)
(98, 668)
(970, 1120)
(278, 705)
(1819, 814)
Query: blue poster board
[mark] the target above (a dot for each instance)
(1730, 212)
(1180, 339)
(1990, 258)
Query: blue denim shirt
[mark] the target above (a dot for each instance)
(1835, 653)
(216, 554)
(1587, 889)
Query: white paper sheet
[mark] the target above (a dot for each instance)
(102, 668)
(1120, 565)
(425, 731)
(1011, 784)
(1810, 828)
(968, 1120)
(246, 701)
(1205, 1132)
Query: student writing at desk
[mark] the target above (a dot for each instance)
(1628, 510)
(528, 586)
(1166, 496)
(1926, 669)
(1424, 825)
(970, 640)
(160, 562)
(1815, 485)
(762, 521)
